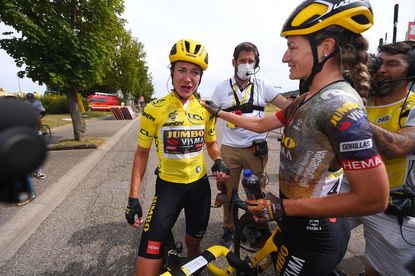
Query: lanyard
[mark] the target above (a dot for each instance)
(248, 91)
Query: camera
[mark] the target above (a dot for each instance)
(375, 62)
(260, 147)
(401, 204)
(247, 107)
(22, 150)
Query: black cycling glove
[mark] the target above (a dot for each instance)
(271, 208)
(275, 210)
(220, 166)
(212, 108)
(133, 208)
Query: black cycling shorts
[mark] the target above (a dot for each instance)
(169, 199)
(310, 246)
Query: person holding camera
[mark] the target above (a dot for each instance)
(390, 235)
(21, 151)
(243, 94)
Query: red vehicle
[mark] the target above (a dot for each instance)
(102, 101)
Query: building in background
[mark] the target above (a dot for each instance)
(410, 35)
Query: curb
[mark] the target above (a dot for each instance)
(82, 146)
(25, 222)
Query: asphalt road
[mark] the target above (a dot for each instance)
(86, 234)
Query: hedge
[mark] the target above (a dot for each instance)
(56, 104)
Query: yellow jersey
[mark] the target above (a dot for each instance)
(180, 132)
(393, 117)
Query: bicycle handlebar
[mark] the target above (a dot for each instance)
(237, 202)
(205, 260)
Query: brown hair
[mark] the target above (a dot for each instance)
(249, 47)
(351, 55)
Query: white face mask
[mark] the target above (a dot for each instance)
(244, 71)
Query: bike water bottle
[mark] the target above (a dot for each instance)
(251, 185)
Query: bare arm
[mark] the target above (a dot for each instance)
(139, 167)
(213, 150)
(281, 102)
(214, 153)
(260, 125)
(368, 195)
(394, 144)
(266, 123)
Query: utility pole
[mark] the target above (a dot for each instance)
(20, 88)
(395, 21)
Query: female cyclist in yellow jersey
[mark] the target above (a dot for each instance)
(181, 128)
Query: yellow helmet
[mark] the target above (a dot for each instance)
(314, 15)
(190, 51)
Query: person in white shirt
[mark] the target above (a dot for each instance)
(37, 105)
(244, 94)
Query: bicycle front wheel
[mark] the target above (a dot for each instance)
(45, 129)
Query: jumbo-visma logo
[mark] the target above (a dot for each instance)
(288, 142)
(150, 215)
(195, 119)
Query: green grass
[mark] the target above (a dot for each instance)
(95, 114)
(55, 120)
(87, 143)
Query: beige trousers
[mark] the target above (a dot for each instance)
(238, 159)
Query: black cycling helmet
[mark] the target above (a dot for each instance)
(314, 15)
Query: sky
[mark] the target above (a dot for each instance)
(220, 25)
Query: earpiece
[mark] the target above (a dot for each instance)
(247, 46)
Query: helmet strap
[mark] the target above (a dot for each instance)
(181, 98)
(178, 96)
(174, 89)
(317, 66)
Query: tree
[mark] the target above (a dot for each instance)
(63, 43)
(128, 72)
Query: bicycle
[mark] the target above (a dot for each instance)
(176, 265)
(45, 130)
(258, 263)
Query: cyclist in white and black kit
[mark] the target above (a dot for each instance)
(38, 106)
